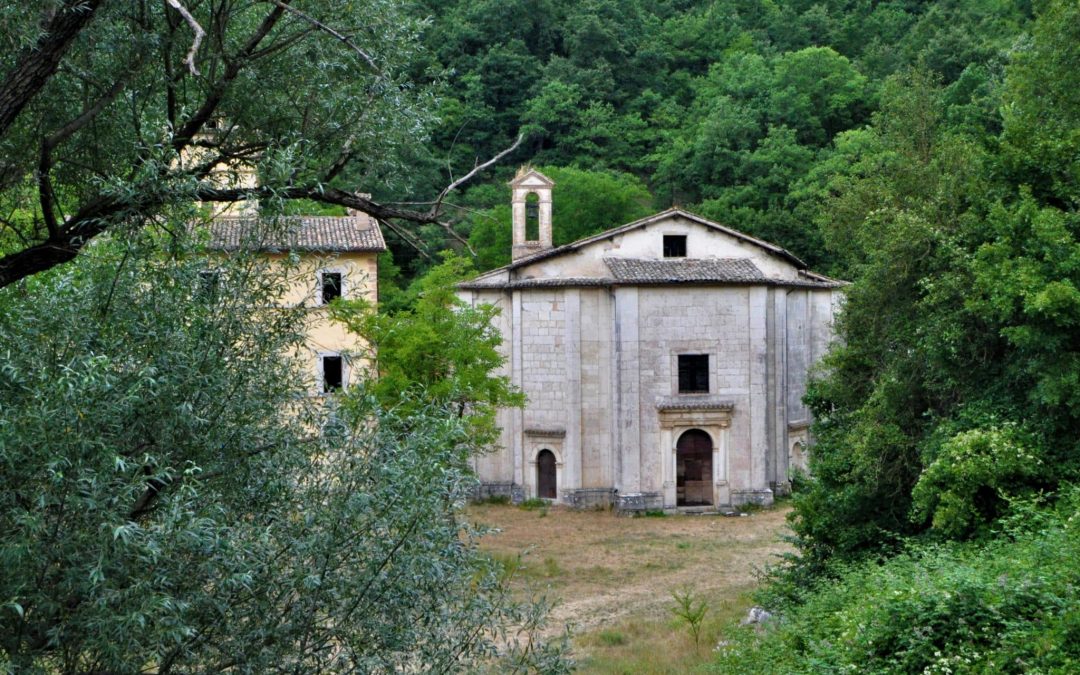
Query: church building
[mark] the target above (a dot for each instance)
(664, 361)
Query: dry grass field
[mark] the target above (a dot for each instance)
(613, 577)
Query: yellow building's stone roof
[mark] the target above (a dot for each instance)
(298, 233)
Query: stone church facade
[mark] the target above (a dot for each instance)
(664, 361)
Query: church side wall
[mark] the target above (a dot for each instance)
(810, 331)
(798, 353)
(497, 467)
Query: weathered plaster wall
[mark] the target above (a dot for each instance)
(360, 280)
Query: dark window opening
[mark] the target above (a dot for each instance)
(209, 281)
(532, 217)
(693, 373)
(331, 286)
(674, 245)
(333, 373)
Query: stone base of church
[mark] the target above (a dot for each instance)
(639, 503)
(758, 497)
(484, 491)
(781, 489)
(590, 498)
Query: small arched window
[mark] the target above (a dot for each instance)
(532, 217)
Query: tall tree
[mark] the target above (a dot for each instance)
(115, 113)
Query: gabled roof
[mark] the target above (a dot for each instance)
(638, 271)
(531, 177)
(325, 234)
(650, 279)
(645, 222)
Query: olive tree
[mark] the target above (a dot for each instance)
(175, 501)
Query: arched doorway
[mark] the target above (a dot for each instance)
(693, 469)
(545, 474)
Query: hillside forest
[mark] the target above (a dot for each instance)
(929, 153)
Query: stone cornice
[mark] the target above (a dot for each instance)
(694, 402)
(548, 432)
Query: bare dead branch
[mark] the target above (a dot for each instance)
(477, 169)
(345, 39)
(457, 237)
(195, 28)
(98, 214)
(210, 104)
(408, 237)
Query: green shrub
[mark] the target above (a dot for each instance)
(1007, 605)
(973, 477)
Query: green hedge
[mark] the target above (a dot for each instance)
(1010, 605)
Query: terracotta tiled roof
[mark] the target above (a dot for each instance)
(723, 270)
(298, 233)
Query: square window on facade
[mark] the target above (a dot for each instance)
(693, 373)
(330, 283)
(674, 245)
(333, 372)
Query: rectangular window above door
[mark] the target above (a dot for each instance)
(693, 373)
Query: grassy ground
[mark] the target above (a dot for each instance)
(613, 577)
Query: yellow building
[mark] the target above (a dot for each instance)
(338, 257)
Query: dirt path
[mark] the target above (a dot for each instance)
(605, 570)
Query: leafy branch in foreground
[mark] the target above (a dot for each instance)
(439, 351)
(171, 507)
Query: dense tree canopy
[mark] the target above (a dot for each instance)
(729, 108)
(954, 390)
(115, 113)
(437, 351)
(176, 501)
